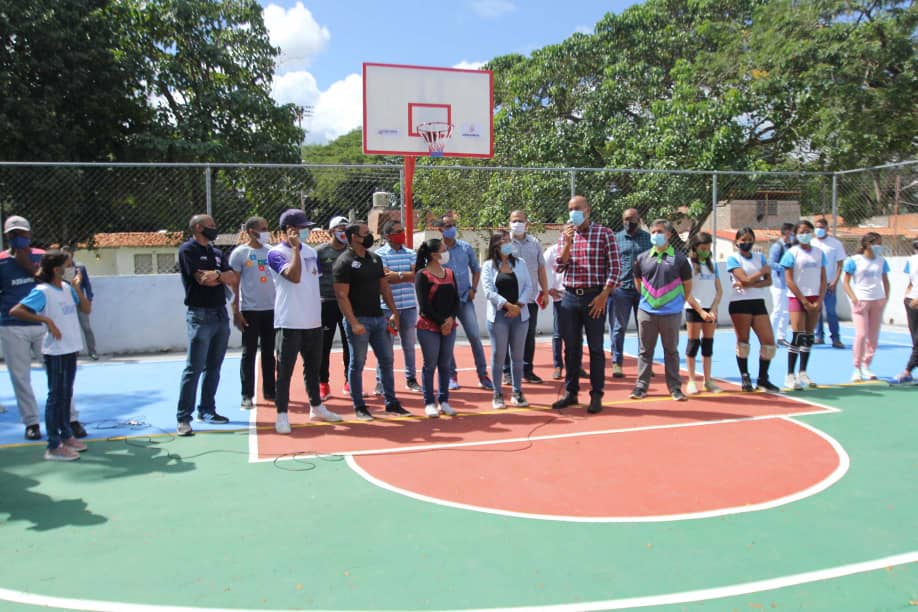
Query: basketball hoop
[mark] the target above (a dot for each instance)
(435, 134)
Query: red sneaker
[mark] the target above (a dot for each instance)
(324, 391)
(347, 388)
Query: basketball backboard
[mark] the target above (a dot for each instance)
(418, 110)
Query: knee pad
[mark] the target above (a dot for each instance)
(742, 349)
(691, 347)
(808, 341)
(707, 347)
(768, 351)
(797, 341)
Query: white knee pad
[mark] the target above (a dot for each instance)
(742, 349)
(768, 351)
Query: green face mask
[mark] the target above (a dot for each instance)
(702, 255)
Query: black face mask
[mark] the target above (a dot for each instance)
(744, 246)
(368, 240)
(631, 226)
(210, 233)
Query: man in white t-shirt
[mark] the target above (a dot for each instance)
(297, 316)
(835, 258)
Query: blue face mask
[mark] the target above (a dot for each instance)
(304, 234)
(821, 232)
(806, 238)
(506, 248)
(877, 249)
(20, 242)
(658, 239)
(450, 232)
(576, 217)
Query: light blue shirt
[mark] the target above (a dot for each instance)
(401, 260)
(495, 302)
(463, 263)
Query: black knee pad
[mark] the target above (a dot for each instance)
(798, 340)
(691, 347)
(707, 347)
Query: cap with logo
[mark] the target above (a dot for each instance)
(336, 221)
(294, 217)
(16, 223)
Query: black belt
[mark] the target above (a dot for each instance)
(583, 290)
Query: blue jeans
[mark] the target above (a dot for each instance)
(377, 336)
(575, 318)
(830, 313)
(469, 322)
(437, 351)
(507, 332)
(620, 306)
(61, 371)
(408, 333)
(557, 346)
(208, 335)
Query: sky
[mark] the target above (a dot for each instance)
(324, 43)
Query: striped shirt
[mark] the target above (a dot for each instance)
(594, 259)
(660, 275)
(401, 260)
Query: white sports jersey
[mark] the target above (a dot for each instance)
(807, 266)
(704, 286)
(867, 276)
(752, 266)
(59, 305)
(911, 268)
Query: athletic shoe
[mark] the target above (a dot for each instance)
(431, 411)
(347, 389)
(617, 371)
(32, 432)
(74, 445)
(483, 382)
(213, 417)
(867, 374)
(791, 383)
(446, 409)
(363, 414)
(183, 429)
(857, 375)
(324, 391)
(246, 404)
(453, 384)
(783, 343)
(94, 356)
(804, 381)
(746, 384)
(691, 388)
(595, 403)
(396, 408)
(412, 385)
(282, 424)
(379, 389)
(585, 374)
(638, 393)
(819, 341)
(532, 379)
(711, 387)
(838, 344)
(903, 378)
(767, 385)
(507, 380)
(321, 413)
(498, 402)
(556, 374)
(678, 395)
(518, 399)
(78, 430)
(61, 453)
(568, 399)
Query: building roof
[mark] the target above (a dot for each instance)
(116, 240)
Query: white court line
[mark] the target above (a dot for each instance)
(733, 590)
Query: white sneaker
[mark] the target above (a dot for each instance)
(321, 413)
(691, 388)
(792, 383)
(518, 399)
(857, 375)
(498, 402)
(804, 381)
(867, 374)
(447, 409)
(282, 425)
(247, 404)
(431, 411)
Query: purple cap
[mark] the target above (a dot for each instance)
(294, 217)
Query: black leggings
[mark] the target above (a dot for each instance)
(912, 314)
(332, 319)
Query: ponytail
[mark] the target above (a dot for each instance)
(427, 248)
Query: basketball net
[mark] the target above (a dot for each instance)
(435, 134)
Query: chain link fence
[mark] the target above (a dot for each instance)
(78, 203)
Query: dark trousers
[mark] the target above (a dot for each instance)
(307, 343)
(260, 331)
(557, 346)
(208, 334)
(332, 319)
(529, 347)
(575, 319)
(912, 314)
(61, 371)
(829, 309)
(621, 305)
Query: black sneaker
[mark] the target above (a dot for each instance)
(396, 408)
(32, 432)
(379, 389)
(638, 393)
(595, 403)
(506, 379)
(363, 414)
(78, 430)
(767, 386)
(213, 417)
(678, 395)
(747, 384)
(412, 385)
(532, 378)
(819, 341)
(838, 344)
(585, 374)
(568, 399)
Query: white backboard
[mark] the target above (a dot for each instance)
(396, 99)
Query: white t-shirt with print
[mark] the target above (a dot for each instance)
(704, 285)
(867, 276)
(911, 268)
(59, 305)
(296, 305)
(752, 267)
(807, 266)
(835, 253)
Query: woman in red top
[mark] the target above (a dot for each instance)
(438, 304)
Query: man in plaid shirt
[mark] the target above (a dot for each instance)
(589, 260)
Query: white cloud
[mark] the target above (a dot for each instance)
(584, 29)
(297, 33)
(335, 111)
(467, 65)
(492, 9)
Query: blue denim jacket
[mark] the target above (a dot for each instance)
(495, 302)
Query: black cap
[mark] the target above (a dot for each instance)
(294, 217)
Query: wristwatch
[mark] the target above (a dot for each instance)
(399, 276)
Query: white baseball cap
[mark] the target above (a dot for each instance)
(336, 221)
(16, 223)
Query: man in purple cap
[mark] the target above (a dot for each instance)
(297, 316)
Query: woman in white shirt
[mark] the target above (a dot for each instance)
(867, 286)
(706, 291)
(911, 311)
(805, 272)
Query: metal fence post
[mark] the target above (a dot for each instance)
(210, 204)
(573, 183)
(714, 215)
(835, 205)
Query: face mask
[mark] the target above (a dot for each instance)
(518, 228)
(877, 249)
(450, 232)
(702, 256)
(341, 237)
(69, 273)
(264, 237)
(506, 248)
(20, 242)
(745, 247)
(658, 239)
(398, 238)
(368, 241)
(210, 233)
(630, 226)
(304, 234)
(444, 258)
(576, 217)
(820, 232)
(804, 238)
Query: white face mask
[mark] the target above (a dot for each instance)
(518, 228)
(444, 258)
(69, 273)
(264, 237)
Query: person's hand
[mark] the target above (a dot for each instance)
(53, 330)
(542, 300)
(598, 306)
(555, 293)
(710, 316)
(812, 306)
(831, 287)
(472, 294)
(913, 303)
(239, 321)
(293, 237)
(568, 233)
(358, 328)
(393, 321)
(207, 278)
(511, 310)
(77, 279)
(391, 276)
(447, 327)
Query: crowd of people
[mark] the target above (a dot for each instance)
(289, 300)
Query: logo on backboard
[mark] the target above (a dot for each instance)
(471, 130)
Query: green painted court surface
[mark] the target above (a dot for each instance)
(190, 522)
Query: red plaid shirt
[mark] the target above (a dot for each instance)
(595, 260)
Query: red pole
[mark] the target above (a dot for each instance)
(409, 204)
